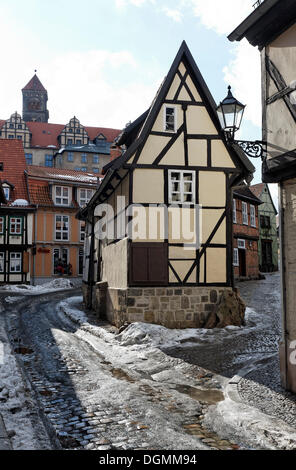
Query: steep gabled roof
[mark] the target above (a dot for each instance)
(131, 131)
(244, 192)
(184, 55)
(34, 85)
(266, 22)
(14, 164)
(258, 189)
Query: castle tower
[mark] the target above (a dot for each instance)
(35, 101)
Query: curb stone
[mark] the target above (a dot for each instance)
(231, 389)
(4, 439)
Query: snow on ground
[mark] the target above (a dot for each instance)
(140, 341)
(15, 404)
(69, 309)
(52, 286)
(146, 335)
(161, 337)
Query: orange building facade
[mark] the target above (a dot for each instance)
(58, 236)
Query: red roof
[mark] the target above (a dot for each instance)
(34, 84)
(65, 175)
(14, 164)
(38, 178)
(257, 189)
(46, 134)
(39, 193)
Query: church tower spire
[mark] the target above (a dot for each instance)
(35, 101)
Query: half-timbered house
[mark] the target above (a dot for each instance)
(272, 28)
(268, 237)
(177, 172)
(16, 215)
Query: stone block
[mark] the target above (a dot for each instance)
(131, 301)
(184, 302)
(135, 292)
(213, 296)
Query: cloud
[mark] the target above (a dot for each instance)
(174, 14)
(137, 3)
(87, 84)
(243, 73)
(221, 16)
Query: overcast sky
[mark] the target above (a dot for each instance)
(103, 60)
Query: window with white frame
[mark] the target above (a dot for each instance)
(235, 257)
(2, 222)
(170, 118)
(241, 244)
(245, 213)
(82, 231)
(234, 211)
(253, 216)
(15, 225)
(2, 262)
(85, 196)
(15, 262)
(62, 195)
(62, 227)
(182, 187)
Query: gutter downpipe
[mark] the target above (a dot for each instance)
(35, 246)
(284, 334)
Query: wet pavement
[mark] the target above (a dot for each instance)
(88, 401)
(90, 398)
(229, 356)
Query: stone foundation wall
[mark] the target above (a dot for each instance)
(184, 307)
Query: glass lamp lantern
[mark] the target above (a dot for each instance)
(230, 112)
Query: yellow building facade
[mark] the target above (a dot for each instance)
(167, 258)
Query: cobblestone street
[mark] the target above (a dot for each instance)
(88, 402)
(234, 353)
(93, 390)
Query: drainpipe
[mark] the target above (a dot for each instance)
(91, 261)
(34, 246)
(283, 282)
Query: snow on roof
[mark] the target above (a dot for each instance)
(20, 202)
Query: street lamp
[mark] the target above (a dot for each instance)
(230, 113)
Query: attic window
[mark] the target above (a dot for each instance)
(170, 119)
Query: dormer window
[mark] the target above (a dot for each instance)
(62, 195)
(85, 196)
(6, 193)
(170, 114)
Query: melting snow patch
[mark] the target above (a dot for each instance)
(161, 337)
(56, 284)
(76, 315)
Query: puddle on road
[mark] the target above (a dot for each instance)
(211, 397)
(22, 350)
(121, 375)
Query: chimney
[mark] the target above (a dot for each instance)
(114, 152)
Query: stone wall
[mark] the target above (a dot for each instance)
(184, 307)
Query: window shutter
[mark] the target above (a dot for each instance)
(149, 264)
(25, 262)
